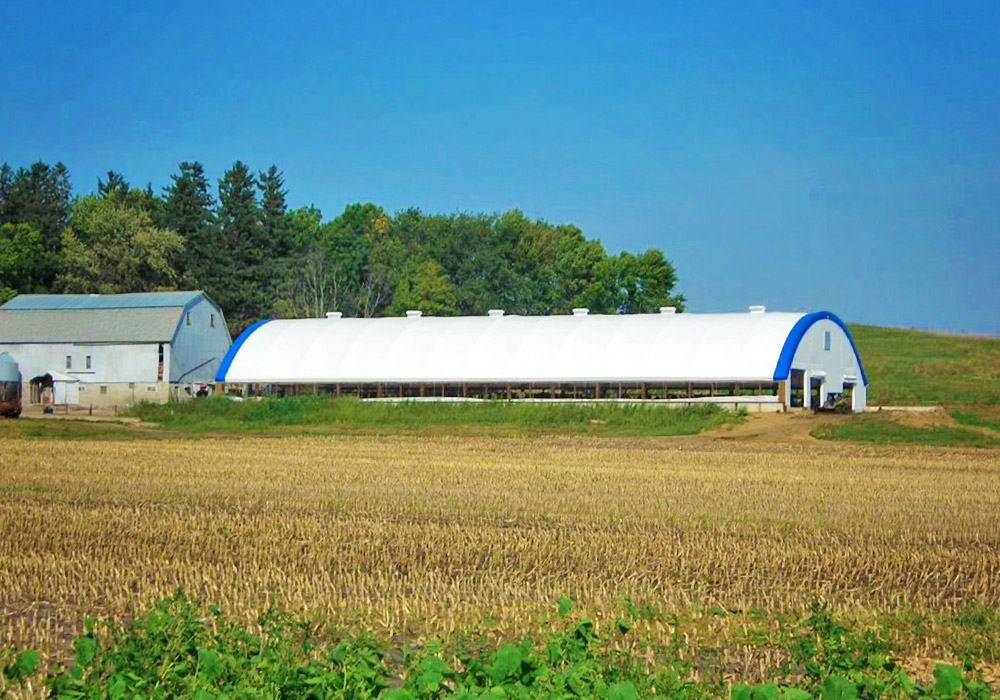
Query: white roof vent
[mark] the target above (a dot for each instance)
(668, 309)
(581, 312)
(757, 309)
(495, 313)
(413, 313)
(334, 314)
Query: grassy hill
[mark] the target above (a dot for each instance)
(917, 367)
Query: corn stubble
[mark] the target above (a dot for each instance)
(413, 536)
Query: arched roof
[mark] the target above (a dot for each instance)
(592, 348)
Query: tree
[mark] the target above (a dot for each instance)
(24, 262)
(115, 187)
(111, 248)
(188, 210)
(578, 272)
(642, 283)
(423, 285)
(236, 280)
(39, 197)
(273, 210)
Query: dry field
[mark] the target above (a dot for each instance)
(428, 535)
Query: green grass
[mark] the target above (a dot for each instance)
(883, 430)
(348, 415)
(916, 367)
(983, 419)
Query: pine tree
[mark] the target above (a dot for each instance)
(273, 209)
(242, 289)
(38, 197)
(188, 210)
(116, 187)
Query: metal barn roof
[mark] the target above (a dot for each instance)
(150, 317)
(495, 348)
(142, 300)
(141, 325)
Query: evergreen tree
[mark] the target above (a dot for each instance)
(116, 187)
(39, 197)
(188, 209)
(273, 210)
(237, 282)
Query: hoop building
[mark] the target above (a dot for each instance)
(759, 360)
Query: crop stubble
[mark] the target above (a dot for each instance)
(432, 534)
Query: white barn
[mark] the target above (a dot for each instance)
(113, 349)
(761, 360)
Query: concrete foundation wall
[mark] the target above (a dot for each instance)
(123, 393)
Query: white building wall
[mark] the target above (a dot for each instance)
(831, 366)
(108, 363)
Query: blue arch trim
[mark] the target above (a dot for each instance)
(784, 366)
(220, 375)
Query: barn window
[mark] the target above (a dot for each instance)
(104, 389)
(69, 362)
(826, 341)
(88, 361)
(211, 320)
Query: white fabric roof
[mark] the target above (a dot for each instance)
(650, 347)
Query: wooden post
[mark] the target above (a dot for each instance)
(378, 391)
(597, 390)
(552, 391)
(423, 390)
(690, 390)
(508, 392)
(465, 390)
(642, 391)
(336, 389)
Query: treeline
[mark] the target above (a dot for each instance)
(241, 243)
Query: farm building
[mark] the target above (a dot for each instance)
(113, 349)
(763, 361)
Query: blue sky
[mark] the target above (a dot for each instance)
(841, 156)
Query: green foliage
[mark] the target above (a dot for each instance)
(110, 247)
(423, 285)
(256, 258)
(188, 209)
(348, 414)
(179, 650)
(915, 367)
(38, 196)
(25, 264)
(884, 430)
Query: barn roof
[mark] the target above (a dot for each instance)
(94, 318)
(591, 348)
(152, 325)
(141, 300)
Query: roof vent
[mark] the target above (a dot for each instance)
(668, 309)
(495, 313)
(758, 309)
(581, 312)
(334, 314)
(413, 313)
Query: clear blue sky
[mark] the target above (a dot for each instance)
(842, 156)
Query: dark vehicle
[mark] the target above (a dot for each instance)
(10, 387)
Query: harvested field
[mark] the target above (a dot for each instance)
(432, 535)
